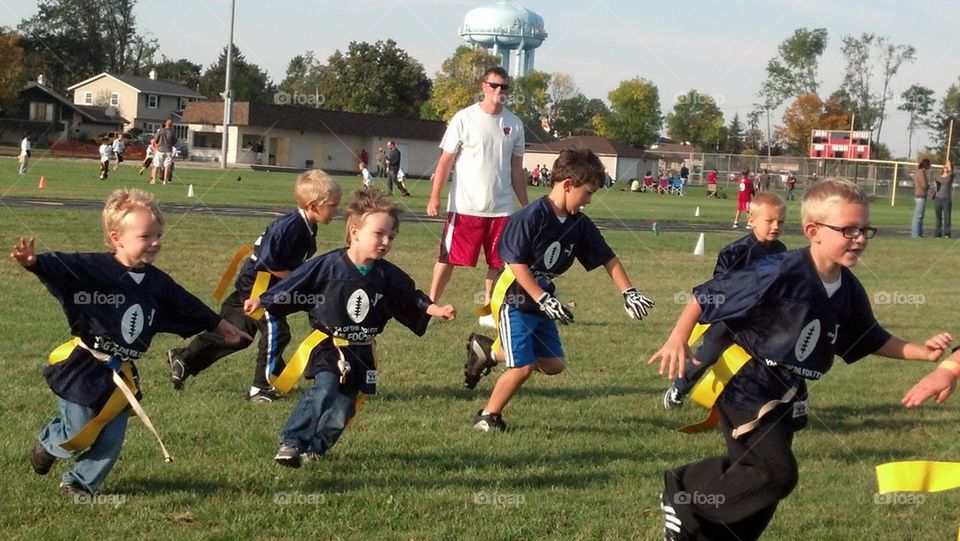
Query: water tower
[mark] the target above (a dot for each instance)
(507, 30)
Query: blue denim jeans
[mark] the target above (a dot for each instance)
(916, 229)
(320, 416)
(92, 465)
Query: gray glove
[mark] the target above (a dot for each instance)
(636, 304)
(554, 309)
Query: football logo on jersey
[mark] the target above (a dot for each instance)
(552, 254)
(807, 342)
(358, 306)
(132, 323)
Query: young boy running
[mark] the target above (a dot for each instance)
(538, 244)
(115, 303)
(791, 313)
(284, 246)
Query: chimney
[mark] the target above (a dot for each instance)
(40, 79)
(153, 74)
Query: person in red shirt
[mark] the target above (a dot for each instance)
(712, 183)
(745, 193)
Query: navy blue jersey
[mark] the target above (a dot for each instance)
(287, 242)
(536, 237)
(779, 312)
(115, 310)
(742, 252)
(342, 302)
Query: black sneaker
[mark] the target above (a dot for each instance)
(263, 396)
(672, 399)
(40, 459)
(480, 359)
(178, 370)
(488, 422)
(288, 456)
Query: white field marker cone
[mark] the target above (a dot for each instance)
(701, 247)
(190, 191)
(696, 213)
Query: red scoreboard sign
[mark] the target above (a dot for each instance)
(840, 144)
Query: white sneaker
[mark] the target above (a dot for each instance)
(487, 321)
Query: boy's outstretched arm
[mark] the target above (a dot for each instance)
(24, 253)
(635, 303)
(675, 351)
(447, 311)
(939, 383)
(931, 350)
(230, 333)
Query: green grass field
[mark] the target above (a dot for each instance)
(587, 448)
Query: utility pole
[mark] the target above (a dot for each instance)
(227, 94)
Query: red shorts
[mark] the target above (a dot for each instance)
(464, 235)
(743, 205)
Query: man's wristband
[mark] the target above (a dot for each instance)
(952, 366)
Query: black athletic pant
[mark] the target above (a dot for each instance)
(207, 348)
(735, 496)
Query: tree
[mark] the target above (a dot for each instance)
(939, 124)
(697, 119)
(891, 58)
(378, 78)
(528, 100)
(303, 75)
(574, 115)
(182, 71)
(753, 138)
(247, 81)
(73, 40)
(12, 76)
(794, 72)
(634, 116)
(805, 114)
(733, 142)
(457, 84)
(918, 103)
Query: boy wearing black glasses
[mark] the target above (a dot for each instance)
(790, 313)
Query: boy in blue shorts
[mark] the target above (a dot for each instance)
(539, 243)
(350, 294)
(767, 214)
(790, 313)
(287, 242)
(115, 303)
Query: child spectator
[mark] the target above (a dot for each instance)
(118, 147)
(791, 313)
(361, 292)
(285, 245)
(115, 303)
(148, 160)
(767, 214)
(745, 193)
(106, 153)
(367, 177)
(539, 243)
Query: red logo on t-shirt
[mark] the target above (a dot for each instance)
(506, 130)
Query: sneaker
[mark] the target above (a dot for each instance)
(480, 359)
(40, 459)
(308, 457)
(672, 399)
(736, 225)
(178, 370)
(488, 422)
(487, 321)
(262, 396)
(78, 491)
(749, 227)
(288, 456)
(672, 527)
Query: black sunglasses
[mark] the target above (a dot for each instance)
(501, 86)
(852, 232)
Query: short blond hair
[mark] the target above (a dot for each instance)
(768, 198)
(367, 201)
(826, 194)
(123, 202)
(315, 185)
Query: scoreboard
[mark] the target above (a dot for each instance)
(840, 144)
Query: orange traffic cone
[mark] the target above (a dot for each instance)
(43, 183)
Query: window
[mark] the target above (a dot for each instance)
(182, 103)
(88, 98)
(151, 127)
(181, 131)
(153, 101)
(207, 139)
(41, 111)
(114, 99)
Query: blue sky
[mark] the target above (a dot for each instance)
(717, 48)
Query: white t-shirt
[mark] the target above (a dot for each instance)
(106, 152)
(119, 146)
(367, 179)
(24, 146)
(482, 183)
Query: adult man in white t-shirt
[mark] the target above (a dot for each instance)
(486, 141)
(24, 156)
